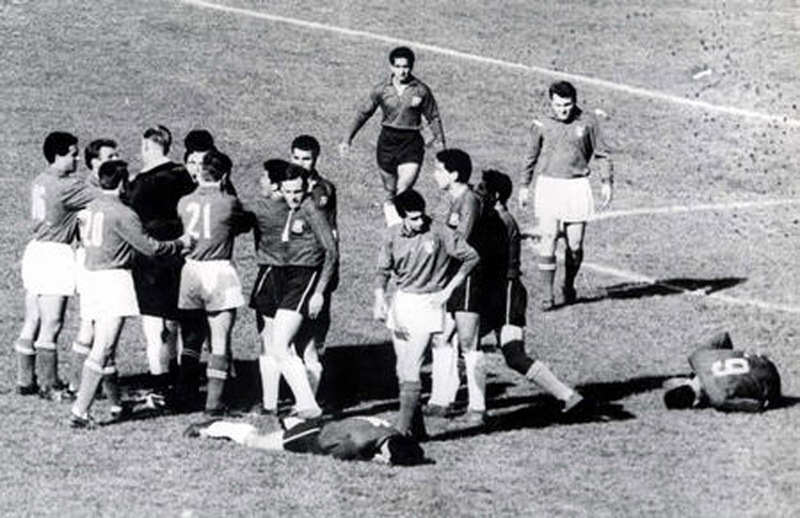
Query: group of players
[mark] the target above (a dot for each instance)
(159, 244)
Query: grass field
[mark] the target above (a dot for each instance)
(112, 68)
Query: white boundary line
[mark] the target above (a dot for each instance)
(676, 209)
(601, 83)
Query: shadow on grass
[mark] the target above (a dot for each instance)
(660, 288)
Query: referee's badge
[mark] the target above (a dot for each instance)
(580, 131)
(298, 226)
(454, 219)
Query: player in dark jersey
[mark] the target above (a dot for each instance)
(154, 195)
(113, 236)
(209, 282)
(460, 209)
(48, 265)
(96, 154)
(352, 438)
(560, 149)
(404, 101)
(726, 379)
(504, 302)
(311, 338)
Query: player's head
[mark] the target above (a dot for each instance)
(401, 61)
(305, 152)
(274, 173)
(99, 151)
(402, 450)
(198, 140)
(112, 175)
(156, 142)
(681, 396)
(293, 187)
(495, 186)
(61, 151)
(216, 166)
(563, 98)
(410, 206)
(452, 166)
(194, 164)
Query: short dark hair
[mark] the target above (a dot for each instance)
(112, 173)
(409, 201)
(293, 172)
(92, 151)
(307, 143)
(160, 135)
(404, 450)
(276, 169)
(198, 140)
(402, 52)
(456, 161)
(563, 89)
(57, 143)
(497, 184)
(216, 165)
(680, 397)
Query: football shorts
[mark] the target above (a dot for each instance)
(467, 297)
(108, 293)
(48, 268)
(564, 199)
(415, 313)
(157, 281)
(503, 305)
(284, 287)
(210, 285)
(396, 146)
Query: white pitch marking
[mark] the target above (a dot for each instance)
(675, 209)
(602, 83)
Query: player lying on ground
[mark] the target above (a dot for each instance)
(352, 438)
(726, 379)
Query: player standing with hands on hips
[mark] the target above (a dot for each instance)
(560, 149)
(404, 100)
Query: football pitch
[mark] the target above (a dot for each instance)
(699, 101)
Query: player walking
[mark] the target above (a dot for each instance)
(560, 149)
(404, 101)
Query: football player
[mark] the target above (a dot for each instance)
(48, 265)
(726, 379)
(209, 282)
(404, 101)
(561, 148)
(460, 210)
(352, 438)
(113, 236)
(428, 262)
(154, 195)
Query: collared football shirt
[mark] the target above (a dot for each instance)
(214, 218)
(55, 202)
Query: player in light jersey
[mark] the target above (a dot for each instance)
(419, 254)
(460, 209)
(404, 101)
(209, 281)
(560, 149)
(352, 438)
(726, 379)
(312, 335)
(48, 265)
(153, 194)
(114, 235)
(96, 154)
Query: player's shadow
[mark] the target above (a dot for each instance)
(660, 288)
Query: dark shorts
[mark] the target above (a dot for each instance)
(397, 147)
(504, 303)
(283, 287)
(302, 438)
(157, 281)
(467, 297)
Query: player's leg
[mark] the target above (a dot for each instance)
(407, 174)
(26, 354)
(284, 330)
(444, 370)
(81, 347)
(546, 262)
(411, 348)
(468, 331)
(161, 337)
(268, 367)
(51, 310)
(573, 258)
(194, 333)
(220, 324)
(389, 181)
(107, 331)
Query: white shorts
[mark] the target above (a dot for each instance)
(210, 285)
(108, 293)
(48, 268)
(415, 313)
(564, 199)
